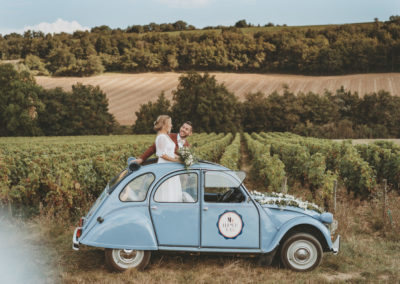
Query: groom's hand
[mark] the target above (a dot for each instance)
(138, 161)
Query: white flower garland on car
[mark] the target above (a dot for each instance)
(280, 199)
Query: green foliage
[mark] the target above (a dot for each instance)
(149, 112)
(60, 60)
(319, 162)
(83, 111)
(213, 150)
(198, 98)
(329, 49)
(36, 65)
(340, 115)
(28, 110)
(384, 158)
(63, 175)
(201, 139)
(19, 103)
(209, 105)
(356, 173)
(231, 156)
(268, 168)
(242, 24)
(254, 113)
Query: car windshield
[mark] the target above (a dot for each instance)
(116, 180)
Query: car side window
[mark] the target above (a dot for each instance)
(136, 190)
(178, 188)
(222, 187)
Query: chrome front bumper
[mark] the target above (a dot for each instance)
(75, 242)
(336, 245)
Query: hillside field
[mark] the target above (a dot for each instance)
(126, 92)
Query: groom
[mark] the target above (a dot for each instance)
(179, 139)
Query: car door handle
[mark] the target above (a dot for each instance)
(154, 207)
(205, 208)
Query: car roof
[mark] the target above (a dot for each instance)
(201, 165)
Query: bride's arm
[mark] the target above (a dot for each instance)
(168, 158)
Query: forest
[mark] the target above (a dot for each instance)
(28, 109)
(316, 50)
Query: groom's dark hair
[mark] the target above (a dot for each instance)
(189, 122)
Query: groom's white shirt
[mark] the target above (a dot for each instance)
(181, 141)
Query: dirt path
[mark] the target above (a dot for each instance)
(251, 182)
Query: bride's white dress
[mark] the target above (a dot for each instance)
(171, 189)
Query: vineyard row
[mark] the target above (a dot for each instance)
(64, 174)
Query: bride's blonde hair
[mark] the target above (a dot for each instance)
(161, 121)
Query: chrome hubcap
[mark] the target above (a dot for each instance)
(127, 258)
(302, 254)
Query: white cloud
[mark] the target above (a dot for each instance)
(185, 3)
(58, 26)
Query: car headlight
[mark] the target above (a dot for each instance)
(332, 227)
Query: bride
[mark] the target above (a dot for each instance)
(171, 189)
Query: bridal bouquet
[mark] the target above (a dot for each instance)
(187, 156)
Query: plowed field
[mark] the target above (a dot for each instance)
(126, 92)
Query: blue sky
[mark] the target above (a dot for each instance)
(56, 15)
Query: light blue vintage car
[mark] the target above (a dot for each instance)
(215, 213)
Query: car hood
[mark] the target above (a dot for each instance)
(286, 202)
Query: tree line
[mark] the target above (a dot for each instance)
(339, 49)
(212, 108)
(27, 109)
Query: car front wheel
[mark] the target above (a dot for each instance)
(122, 259)
(301, 252)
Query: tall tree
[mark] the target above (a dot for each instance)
(83, 111)
(209, 105)
(148, 113)
(19, 103)
(254, 113)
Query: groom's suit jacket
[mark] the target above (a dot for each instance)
(152, 149)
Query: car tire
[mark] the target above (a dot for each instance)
(301, 252)
(120, 260)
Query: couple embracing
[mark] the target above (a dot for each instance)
(167, 144)
(166, 147)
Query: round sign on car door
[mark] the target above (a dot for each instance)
(228, 217)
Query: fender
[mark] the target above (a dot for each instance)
(123, 228)
(301, 220)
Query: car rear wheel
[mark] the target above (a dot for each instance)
(301, 252)
(122, 259)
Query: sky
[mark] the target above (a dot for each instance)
(53, 16)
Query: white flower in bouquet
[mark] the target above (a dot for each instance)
(186, 156)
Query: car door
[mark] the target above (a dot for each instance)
(175, 210)
(232, 222)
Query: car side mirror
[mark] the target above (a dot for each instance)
(129, 160)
